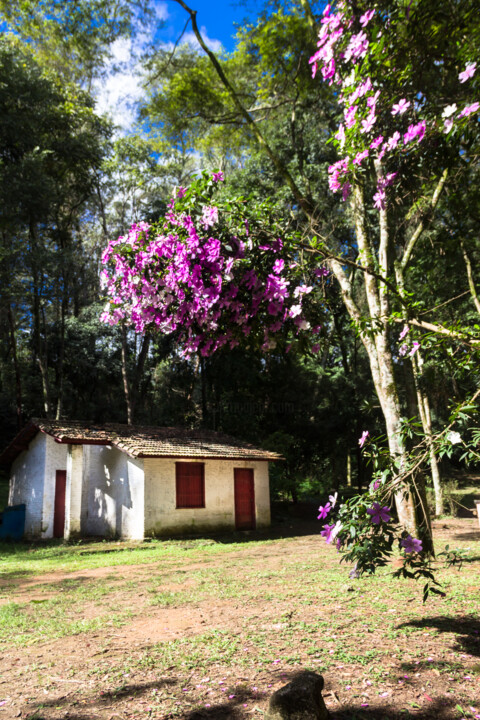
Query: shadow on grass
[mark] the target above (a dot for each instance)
(119, 700)
(465, 628)
(441, 709)
(473, 536)
(237, 708)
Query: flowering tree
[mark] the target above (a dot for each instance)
(399, 141)
(405, 83)
(216, 273)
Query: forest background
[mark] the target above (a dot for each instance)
(70, 182)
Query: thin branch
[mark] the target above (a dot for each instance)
(421, 225)
(446, 302)
(440, 330)
(170, 58)
(471, 283)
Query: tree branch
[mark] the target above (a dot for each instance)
(297, 193)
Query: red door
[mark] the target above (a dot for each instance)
(59, 513)
(244, 499)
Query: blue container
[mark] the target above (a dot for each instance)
(12, 522)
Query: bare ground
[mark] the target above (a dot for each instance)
(115, 672)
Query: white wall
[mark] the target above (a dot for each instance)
(26, 483)
(32, 481)
(114, 496)
(163, 518)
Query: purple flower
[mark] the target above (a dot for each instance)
(363, 439)
(323, 511)
(327, 532)
(379, 514)
(400, 107)
(403, 349)
(468, 72)
(411, 545)
(217, 177)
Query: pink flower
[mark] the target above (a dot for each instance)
(346, 191)
(365, 19)
(403, 349)
(340, 135)
(414, 349)
(414, 131)
(363, 439)
(400, 107)
(368, 123)
(209, 216)
(404, 332)
(378, 141)
(379, 199)
(333, 499)
(360, 156)
(469, 109)
(217, 177)
(327, 532)
(393, 141)
(448, 125)
(469, 72)
(350, 116)
(323, 511)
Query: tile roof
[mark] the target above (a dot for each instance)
(139, 441)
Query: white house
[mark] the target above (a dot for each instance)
(78, 479)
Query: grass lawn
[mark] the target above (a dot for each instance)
(209, 628)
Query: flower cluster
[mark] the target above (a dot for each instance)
(366, 133)
(203, 274)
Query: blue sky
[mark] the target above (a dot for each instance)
(217, 18)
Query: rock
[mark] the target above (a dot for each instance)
(301, 699)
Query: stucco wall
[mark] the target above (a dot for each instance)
(163, 518)
(114, 493)
(26, 483)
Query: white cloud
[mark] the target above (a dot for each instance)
(161, 11)
(211, 43)
(119, 91)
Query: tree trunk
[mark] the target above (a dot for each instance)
(126, 384)
(18, 377)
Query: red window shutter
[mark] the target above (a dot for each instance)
(190, 484)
